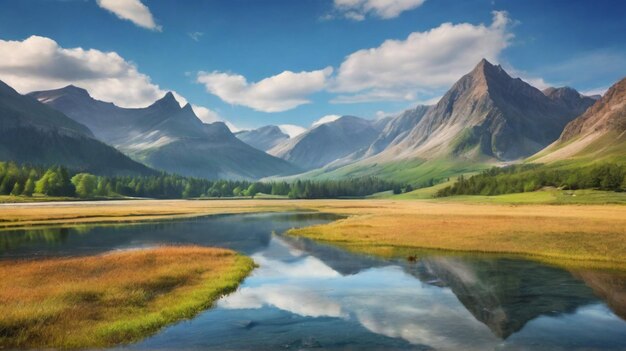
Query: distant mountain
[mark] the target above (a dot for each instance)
(599, 133)
(35, 133)
(570, 99)
(327, 142)
(263, 138)
(168, 137)
(486, 117)
(397, 128)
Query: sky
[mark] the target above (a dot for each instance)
(296, 62)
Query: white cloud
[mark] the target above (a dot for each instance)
(281, 92)
(39, 63)
(291, 129)
(357, 10)
(434, 59)
(131, 10)
(233, 128)
(597, 91)
(206, 115)
(325, 119)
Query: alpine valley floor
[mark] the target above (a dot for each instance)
(589, 235)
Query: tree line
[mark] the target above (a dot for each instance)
(531, 177)
(26, 180)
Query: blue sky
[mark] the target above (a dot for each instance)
(255, 62)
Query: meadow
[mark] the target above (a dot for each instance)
(119, 297)
(591, 233)
(98, 301)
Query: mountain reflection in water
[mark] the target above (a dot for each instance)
(309, 295)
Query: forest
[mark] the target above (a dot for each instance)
(531, 177)
(27, 180)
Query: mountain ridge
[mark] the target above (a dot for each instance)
(167, 136)
(32, 132)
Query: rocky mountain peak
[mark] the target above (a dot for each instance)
(167, 102)
(607, 114)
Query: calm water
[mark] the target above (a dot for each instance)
(306, 295)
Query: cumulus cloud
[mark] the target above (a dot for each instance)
(399, 69)
(291, 129)
(39, 63)
(131, 10)
(206, 115)
(325, 119)
(357, 10)
(281, 92)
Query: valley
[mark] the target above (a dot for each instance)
(295, 175)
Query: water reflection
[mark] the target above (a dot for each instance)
(296, 300)
(505, 294)
(245, 233)
(308, 295)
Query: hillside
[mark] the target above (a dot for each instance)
(264, 138)
(598, 134)
(327, 142)
(167, 137)
(487, 117)
(31, 132)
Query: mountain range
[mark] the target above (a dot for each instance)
(166, 136)
(327, 142)
(32, 132)
(486, 118)
(264, 138)
(598, 134)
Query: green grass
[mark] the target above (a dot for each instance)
(99, 301)
(409, 171)
(548, 196)
(24, 199)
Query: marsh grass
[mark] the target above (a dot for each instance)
(594, 233)
(584, 236)
(104, 300)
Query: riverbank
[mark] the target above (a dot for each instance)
(587, 235)
(98, 301)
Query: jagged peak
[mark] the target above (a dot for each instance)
(187, 107)
(487, 69)
(167, 101)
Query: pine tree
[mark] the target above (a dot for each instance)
(29, 187)
(17, 189)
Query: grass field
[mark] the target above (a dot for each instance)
(594, 234)
(113, 298)
(547, 196)
(587, 235)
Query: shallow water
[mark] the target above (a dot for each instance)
(307, 295)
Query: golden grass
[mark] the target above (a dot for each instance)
(592, 233)
(17, 215)
(114, 298)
